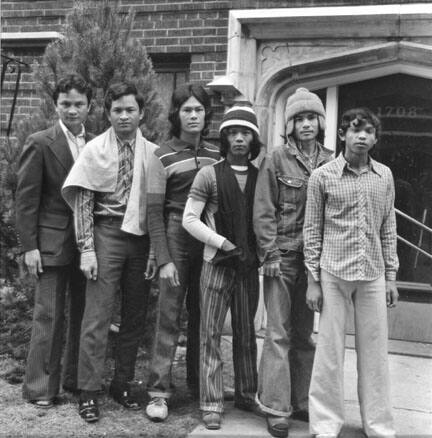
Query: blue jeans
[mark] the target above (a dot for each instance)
(288, 351)
(187, 254)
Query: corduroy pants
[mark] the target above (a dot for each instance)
(54, 286)
(326, 395)
(223, 288)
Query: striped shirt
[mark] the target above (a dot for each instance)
(172, 170)
(350, 223)
(89, 203)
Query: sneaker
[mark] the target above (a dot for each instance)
(157, 409)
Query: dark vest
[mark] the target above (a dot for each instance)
(234, 218)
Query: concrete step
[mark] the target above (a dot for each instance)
(411, 379)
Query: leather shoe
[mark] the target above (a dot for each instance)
(301, 415)
(249, 407)
(124, 396)
(73, 390)
(43, 404)
(211, 420)
(88, 409)
(277, 426)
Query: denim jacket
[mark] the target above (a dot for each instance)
(280, 200)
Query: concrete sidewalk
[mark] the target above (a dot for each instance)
(411, 378)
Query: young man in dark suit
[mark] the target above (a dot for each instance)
(45, 229)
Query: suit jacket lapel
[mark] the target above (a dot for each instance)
(60, 148)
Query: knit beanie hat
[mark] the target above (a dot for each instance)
(303, 100)
(240, 116)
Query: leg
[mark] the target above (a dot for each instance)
(42, 376)
(216, 290)
(274, 386)
(169, 313)
(77, 286)
(326, 396)
(243, 308)
(303, 349)
(372, 365)
(135, 291)
(100, 293)
(193, 309)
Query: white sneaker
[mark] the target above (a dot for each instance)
(157, 409)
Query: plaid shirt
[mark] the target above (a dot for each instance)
(350, 223)
(89, 204)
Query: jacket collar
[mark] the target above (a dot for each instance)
(323, 153)
(59, 146)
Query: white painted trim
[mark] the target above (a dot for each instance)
(281, 14)
(25, 36)
(332, 103)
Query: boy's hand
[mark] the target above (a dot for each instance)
(33, 261)
(392, 293)
(151, 269)
(227, 245)
(314, 295)
(272, 269)
(169, 273)
(89, 265)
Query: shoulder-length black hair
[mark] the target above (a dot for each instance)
(179, 97)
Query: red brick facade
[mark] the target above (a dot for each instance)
(197, 29)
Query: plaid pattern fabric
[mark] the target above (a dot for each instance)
(350, 223)
(89, 203)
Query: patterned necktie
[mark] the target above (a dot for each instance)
(127, 166)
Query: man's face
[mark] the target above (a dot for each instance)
(125, 116)
(192, 116)
(239, 139)
(72, 108)
(359, 138)
(306, 126)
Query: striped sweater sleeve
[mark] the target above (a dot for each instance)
(157, 179)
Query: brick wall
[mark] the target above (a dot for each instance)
(194, 27)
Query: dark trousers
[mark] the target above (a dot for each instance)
(186, 253)
(122, 260)
(43, 369)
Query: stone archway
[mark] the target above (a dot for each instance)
(330, 72)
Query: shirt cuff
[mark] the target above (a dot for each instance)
(390, 276)
(314, 272)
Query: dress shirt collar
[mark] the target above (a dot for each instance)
(176, 144)
(69, 134)
(342, 164)
(122, 143)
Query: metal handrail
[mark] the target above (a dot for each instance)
(19, 64)
(420, 225)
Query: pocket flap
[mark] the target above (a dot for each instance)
(291, 181)
(53, 220)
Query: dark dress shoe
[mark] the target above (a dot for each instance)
(123, 396)
(301, 415)
(72, 389)
(249, 406)
(212, 420)
(277, 426)
(88, 409)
